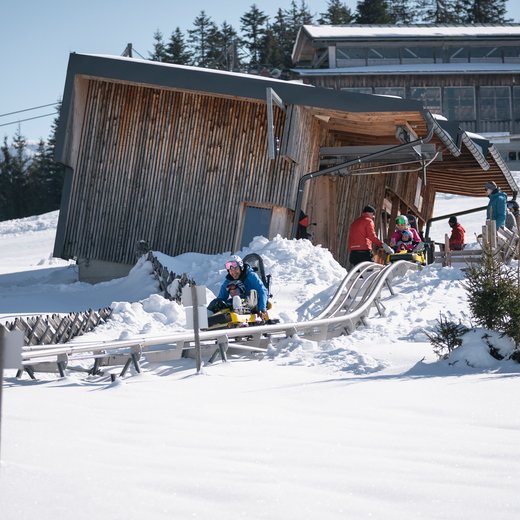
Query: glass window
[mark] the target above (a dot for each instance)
(511, 156)
(429, 96)
(459, 103)
(418, 54)
(390, 91)
(384, 55)
(256, 223)
(516, 103)
(359, 90)
(485, 54)
(495, 103)
(457, 54)
(351, 53)
(511, 54)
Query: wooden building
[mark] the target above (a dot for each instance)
(470, 74)
(189, 159)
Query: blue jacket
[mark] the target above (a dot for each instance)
(251, 281)
(497, 207)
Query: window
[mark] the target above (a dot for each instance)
(485, 54)
(495, 103)
(418, 55)
(429, 96)
(257, 222)
(390, 91)
(516, 103)
(511, 156)
(383, 56)
(459, 103)
(457, 54)
(359, 90)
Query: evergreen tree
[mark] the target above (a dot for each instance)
(223, 48)
(486, 11)
(6, 192)
(204, 26)
(401, 11)
(441, 11)
(159, 48)
(176, 49)
(282, 39)
(271, 53)
(294, 18)
(337, 13)
(374, 12)
(253, 27)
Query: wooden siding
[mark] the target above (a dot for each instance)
(172, 168)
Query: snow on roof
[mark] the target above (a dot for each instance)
(416, 31)
(416, 68)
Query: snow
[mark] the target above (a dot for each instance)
(413, 31)
(371, 425)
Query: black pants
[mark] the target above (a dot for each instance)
(357, 256)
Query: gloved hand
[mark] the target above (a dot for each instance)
(262, 315)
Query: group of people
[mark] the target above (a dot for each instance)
(362, 238)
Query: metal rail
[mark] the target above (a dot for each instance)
(358, 292)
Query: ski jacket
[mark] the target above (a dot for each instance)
(362, 234)
(251, 281)
(396, 236)
(511, 220)
(456, 240)
(497, 207)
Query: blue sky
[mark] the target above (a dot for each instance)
(37, 37)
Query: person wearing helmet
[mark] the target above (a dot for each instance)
(362, 236)
(512, 215)
(402, 224)
(497, 206)
(242, 275)
(456, 240)
(405, 242)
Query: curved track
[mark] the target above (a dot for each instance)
(350, 306)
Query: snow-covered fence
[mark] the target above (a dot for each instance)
(171, 284)
(57, 328)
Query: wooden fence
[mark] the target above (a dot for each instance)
(170, 283)
(57, 328)
(61, 328)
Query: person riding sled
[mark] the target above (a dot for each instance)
(241, 275)
(401, 225)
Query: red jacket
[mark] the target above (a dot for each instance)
(362, 234)
(456, 241)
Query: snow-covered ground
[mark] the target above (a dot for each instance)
(370, 425)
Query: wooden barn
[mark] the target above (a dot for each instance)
(188, 159)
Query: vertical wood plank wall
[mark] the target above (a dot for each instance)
(172, 168)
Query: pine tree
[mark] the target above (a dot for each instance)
(176, 49)
(198, 39)
(337, 13)
(253, 27)
(159, 49)
(440, 11)
(401, 11)
(373, 12)
(271, 53)
(486, 11)
(223, 48)
(282, 35)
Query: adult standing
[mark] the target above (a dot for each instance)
(496, 209)
(456, 240)
(362, 236)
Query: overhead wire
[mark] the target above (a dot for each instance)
(28, 119)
